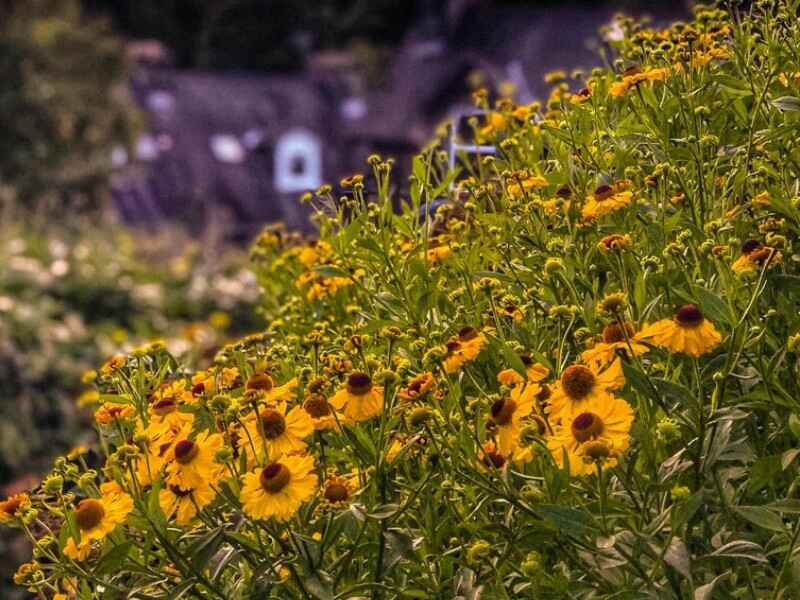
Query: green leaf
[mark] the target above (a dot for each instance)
(383, 511)
(202, 550)
(113, 559)
(566, 519)
(787, 103)
(683, 512)
(762, 517)
(319, 585)
(398, 546)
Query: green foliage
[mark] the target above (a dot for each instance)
(63, 106)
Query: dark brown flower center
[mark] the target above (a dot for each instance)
(467, 333)
(185, 451)
(317, 406)
(274, 477)
(749, 246)
(586, 426)
(503, 411)
(273, 423)
(577, 381)
(563, 192)
(603, 192)
(164, 407)
(179, 492)
(89, 514)
(260, 381)
(494, 459)
(336, 492)
(198, 389)
(453, 345)
(689, 315)
(359, 384)
(615, 332)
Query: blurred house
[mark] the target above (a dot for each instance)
(241, 148)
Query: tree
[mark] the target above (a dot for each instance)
(63, 103)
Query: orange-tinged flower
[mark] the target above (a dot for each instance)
(111, 411)
(755, 256)
(507, 415)
(10, 506)
(417, 388)
(463, 348)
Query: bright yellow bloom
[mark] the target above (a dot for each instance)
(535, 372)
(597, 430)
(279, 489)
(321, 412)
(438, 254)
(754, 256)
(507, 415)
(632, 77)
(517, 187)
(581, 384)
(192, 462)
(359, 399)
(185, 503)
(616, 341)
(688, 332)
(111, 411)
(284, 431)
(463, 348)
(605, 200)
(96, 518)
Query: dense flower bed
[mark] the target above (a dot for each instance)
(577, 379)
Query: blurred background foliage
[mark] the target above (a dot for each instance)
(63, 104)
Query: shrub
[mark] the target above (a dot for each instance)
(578, 379)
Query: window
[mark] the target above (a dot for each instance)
(298, 162)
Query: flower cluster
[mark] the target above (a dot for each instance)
(569, 374)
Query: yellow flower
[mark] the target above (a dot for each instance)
(192, 462)
(283, 430)
(279, 489)
(581, 384)
(491, 457)
(10, 506)
(320, 411)
(463, 348)
(754, 256)
(338, 492)
(438, 254)
(96, 518)
(614, 241)
(507, 415)
(517, 187)
(359, 399)
(417, 388)
(598, 430)
(688, 332)
(617, 339)
(534, 371)
(633, 76)
(605, 200)
(110, 412)
(185, 503)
